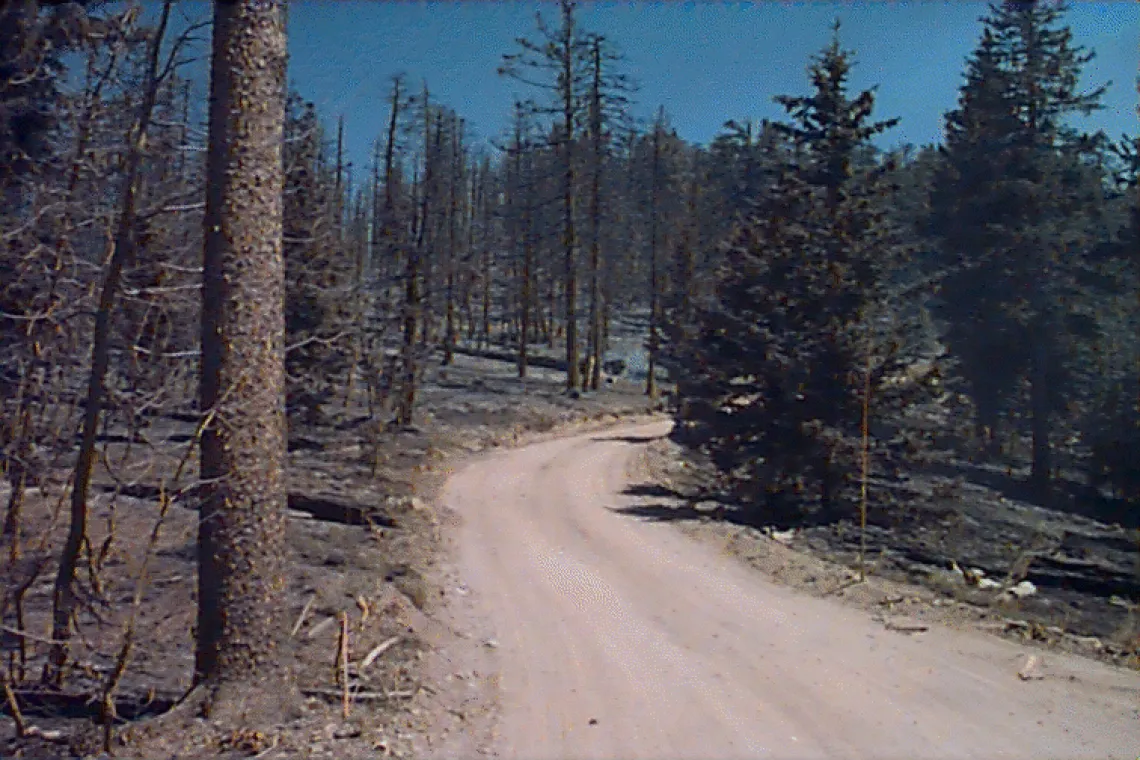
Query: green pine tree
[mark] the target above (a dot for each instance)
(771, 382)
(1010, 206)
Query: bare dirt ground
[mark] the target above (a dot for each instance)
(584, 627)
(363, 540)
(1084, 569)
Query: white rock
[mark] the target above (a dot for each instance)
(783, 536)
(1022, 590)
(1031, 670)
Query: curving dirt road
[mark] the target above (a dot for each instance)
(621, 638)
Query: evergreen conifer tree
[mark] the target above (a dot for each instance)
(771, 381)
(1006, 205)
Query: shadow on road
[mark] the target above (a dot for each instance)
(678, 506)
(658, 491)
(662, 512)
(630, 438)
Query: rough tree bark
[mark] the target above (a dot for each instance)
(241, 539)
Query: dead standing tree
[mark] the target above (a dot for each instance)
(122, 253)
(519, 223)
(562, 54)
(607, 103)
(418, 270)
(653, 342)
(43, 288)
(389, 256)
(456, 176)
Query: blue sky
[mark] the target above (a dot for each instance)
(706, 62)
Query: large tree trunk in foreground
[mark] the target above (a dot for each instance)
(241, 540)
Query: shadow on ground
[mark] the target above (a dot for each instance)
(634, 439)
(677, 506)
(1068, 495)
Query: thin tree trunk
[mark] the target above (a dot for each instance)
(338, 187)
(17, 475)
(391, 249)
(569, 238)
(552, 311)
(184, 136)
(654, 200)
(413, 297)
(596, 353)
(411, 328)
(689, 242)
(429, 265)
(527, 306)
(451, 328)
(122, 252)
(484, 206)
(1042, 467)
(521, 221)
(356, 299)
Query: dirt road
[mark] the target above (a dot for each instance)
(616, 637)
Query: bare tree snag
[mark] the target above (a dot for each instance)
(455, 177)
(387, 225)
(560, 56)
(482, 203)
(596, 147)
(569, 237)
(413, 297)
(521, 228)
(122, 251)
(654, 244)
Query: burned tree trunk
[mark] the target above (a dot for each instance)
(569, 236)
(241, 539)
(455, 177)
(413, 295)
(595, 335)
(654, 244)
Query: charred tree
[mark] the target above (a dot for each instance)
(241, 540)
